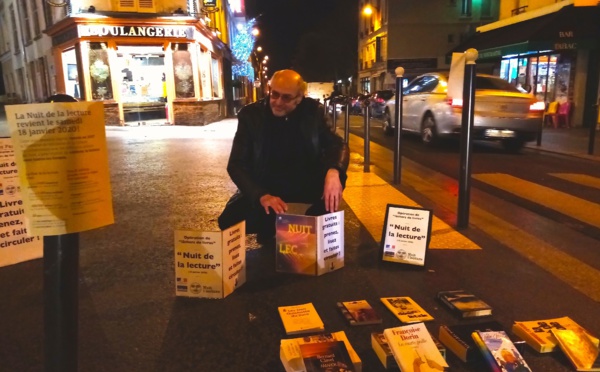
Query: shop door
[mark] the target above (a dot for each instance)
(143, 93)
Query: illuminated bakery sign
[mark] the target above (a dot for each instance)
(136, 31)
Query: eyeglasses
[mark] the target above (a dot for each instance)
(287, 98)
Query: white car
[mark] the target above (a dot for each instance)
(502, 112)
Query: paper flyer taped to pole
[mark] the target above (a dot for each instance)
(62, 160)
(16, 244)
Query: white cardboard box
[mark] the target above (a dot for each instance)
(210, 264)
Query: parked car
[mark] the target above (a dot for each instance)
(378, 101)
(501, 111)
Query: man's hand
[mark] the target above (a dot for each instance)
(332, 193)
(269, 201)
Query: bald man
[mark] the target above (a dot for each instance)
(284, 151)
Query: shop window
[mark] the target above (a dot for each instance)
(182, 70)
(216, 78)
(100, 72)
(466, 8)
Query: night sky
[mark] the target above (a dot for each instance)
(318, 38)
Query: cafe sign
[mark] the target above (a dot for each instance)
(136, 31)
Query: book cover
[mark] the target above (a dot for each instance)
(382, 349)
(300, 319)
(359, 312)
(499, 352)
(406, 309)
(326, 357)
(579, 347)
(464, 303)
(291, 357)
(537, 333)
(458, 340)
(310, 245)
(414, 349)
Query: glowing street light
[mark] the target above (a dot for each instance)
(368, 10)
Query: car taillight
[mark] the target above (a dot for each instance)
(380, 100)
(455, 102)
(537, 106)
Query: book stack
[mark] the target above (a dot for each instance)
(537, 333)
(299, 319)
(458, 339)
(306, 354)
(413, 348)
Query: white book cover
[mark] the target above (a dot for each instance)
(414, 349)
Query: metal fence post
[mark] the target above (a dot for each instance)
(466, 143)
(398, 118)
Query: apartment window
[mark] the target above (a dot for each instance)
(141, 6)
(4, 43)
(486, 8)
(13, 20)
(35, 17)
(26, 21)
(192, 6)
(466, 8)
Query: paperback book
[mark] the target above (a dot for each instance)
(499, 352)
(579, 347)
(326, 356)
(359, 312)
(299, 319)
(382, 349)
(291, 355)
(406, 309)
(459, 341)
(464, 303)
(414, 349)
(537, 333)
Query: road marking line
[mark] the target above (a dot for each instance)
(582, 179)
(368, 196)
(561, 202)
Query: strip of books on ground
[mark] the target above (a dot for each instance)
(382, 349)
(303, 355)
(359, 312)
(406, 309)
(579, 347)
(414, 349)
(464, 303)
(537, 333)
(299, 319)
(499, 352)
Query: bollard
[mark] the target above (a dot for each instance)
(593, 128)
(334, 113)
(539, 133)
(466, 143)
(367, 149)
(398, 118)
(61, 294)
(347, 122)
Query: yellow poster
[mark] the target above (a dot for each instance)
(61, 156)
(16, 244)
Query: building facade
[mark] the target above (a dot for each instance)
(415, 35)
(144, 59)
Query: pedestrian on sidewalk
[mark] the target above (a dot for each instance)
(284, 151)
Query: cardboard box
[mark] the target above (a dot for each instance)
(310, 245)
(210, 264)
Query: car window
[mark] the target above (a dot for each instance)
(491, 83)
(422, 84)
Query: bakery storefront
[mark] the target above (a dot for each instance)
(152, 71)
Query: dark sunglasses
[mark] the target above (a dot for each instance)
(287, 98)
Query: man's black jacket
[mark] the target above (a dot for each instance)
(247, 162)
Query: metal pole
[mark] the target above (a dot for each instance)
(398, 119)
(347, 122)
(334, 107)
(592, 136)
(61, 294)
(61, 302)
(367, 120)
(466, 143)
(539, 134)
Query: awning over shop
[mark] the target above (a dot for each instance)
(570, 28)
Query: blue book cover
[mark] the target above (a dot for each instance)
(499, 352)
